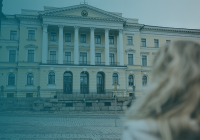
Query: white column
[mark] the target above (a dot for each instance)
(92, 46)
(121, 47)
(118, 50)
(107, 46)
(60, 45)
(44, 43)
(76, 45)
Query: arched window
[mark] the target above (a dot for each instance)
(68, 83)
(30, 79)
(100, 82)
(51, 78)
(144, 80)
(115, 77)
(130, 80)
(11, 79)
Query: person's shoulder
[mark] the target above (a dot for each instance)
(140, 129)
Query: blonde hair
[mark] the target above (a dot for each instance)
(173, 100)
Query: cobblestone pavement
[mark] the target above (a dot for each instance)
(47, 126)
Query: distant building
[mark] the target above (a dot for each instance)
(79, 49)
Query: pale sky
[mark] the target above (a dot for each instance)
(167, 13)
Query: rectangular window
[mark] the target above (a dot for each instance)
(30, 55)
(143, 42)
(111, 58)
(97, 39)
(52, 56)
(29, 95)
(98, 58)
(31, 34)
(69, 104)
(88, 104)
(68, 57)
(13, 35)
(83, 38)
(53, 37)
(83, 58)
(130, 59)
(129, 40)
(12, 56)
(156, 43)
(107, 104)
(168, 41)
(144, 60)
(111, 39)
(68, 37)
(10, 95)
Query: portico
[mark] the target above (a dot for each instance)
(90, 45)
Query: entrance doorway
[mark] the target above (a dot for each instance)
(84, 83)
(100, 83)
(67, 83)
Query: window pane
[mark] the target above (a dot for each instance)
(168, 41)
(30, 79)
(130, 59)
(83, 57)
(156, 43)
(111, 58)
(129, 40)
(31, 34)
(51, 78)
(144, 80)
(144, 60)
(115, 77)
(11, 79)
(67, 37)
(83, 38)
(97, 39)
(53, 37)
(30, 55)
(68, 56)
(12, 56)
(98, 58)
(13, 35)
(143, 42)
(111, 39)
(53, 56)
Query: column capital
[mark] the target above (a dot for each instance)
(44, 25)
(60, 26)
(107, 29)
(92, 28)
(76, 27)
(120, 30)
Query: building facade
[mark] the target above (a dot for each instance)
(79, 49)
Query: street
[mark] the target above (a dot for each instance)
(52, 126)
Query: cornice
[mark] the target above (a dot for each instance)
(31, 46)
(53, 48)
(12, 47)
(27, 16)
(71, 44)
(144, 53)
(8, 41)
(130, 50)
(154, 48)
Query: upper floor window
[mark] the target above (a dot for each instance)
(97, 39)
(168, 41)
(12, 55)
(83, 38)
(13, 35)
(11, 79)
(30, 79)
(115, 77)
(83, 58)
(111, 39)
(130, 59)
(130, 80)
(143, 42)
(98, 58)
(51, 77)
(156, 43)
(144, 60)
(53, 37)
(111, 58)
(129, 40)
(144, 80)
(52, 56)
(31, 34)
(30, 55)
(68, 37)
(67, 57)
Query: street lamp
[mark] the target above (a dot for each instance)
(38, 93)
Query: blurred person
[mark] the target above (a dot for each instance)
(171, 108)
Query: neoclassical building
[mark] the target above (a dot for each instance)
(79, 50)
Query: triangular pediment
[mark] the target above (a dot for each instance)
(82, 10)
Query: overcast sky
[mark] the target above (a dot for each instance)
(167, 13)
